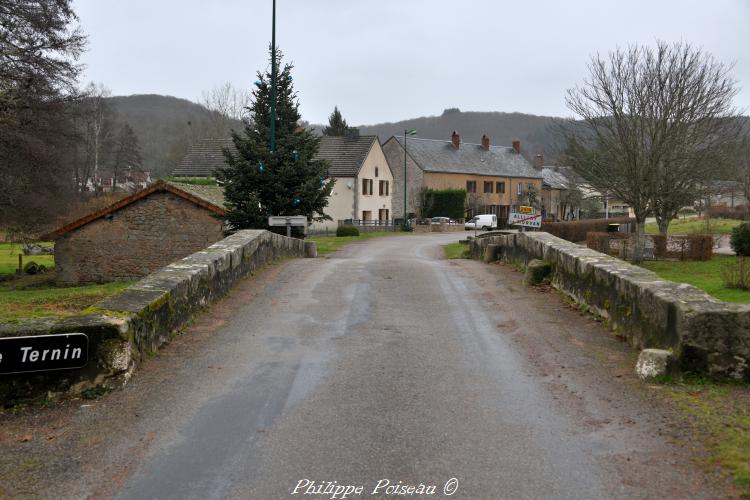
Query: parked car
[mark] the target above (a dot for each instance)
(442, 220)
(483, 221)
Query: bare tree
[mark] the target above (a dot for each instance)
(39, 48)
(655, 124)
(228, 106)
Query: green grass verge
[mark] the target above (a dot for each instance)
(37, 297)
(328, 244)
(696, 226)
(705, 275)
(455, 250)
(718, 413)
(200, 181)
(9, 258)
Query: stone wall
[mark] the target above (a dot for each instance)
(394, 154)
(136, 240)
(126, 327)
(706, 334)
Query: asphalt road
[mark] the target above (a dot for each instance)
(384, 362)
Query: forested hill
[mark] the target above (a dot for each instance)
(166, 127)
(536, 133)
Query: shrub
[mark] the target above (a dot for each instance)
(31, 267)
(598, 241)
(691, 247)
(736, 273)
(740, 240)
(577, 230)
(407, 228)
(444, 203)
(347, 230)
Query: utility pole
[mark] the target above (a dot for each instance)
(406, 133)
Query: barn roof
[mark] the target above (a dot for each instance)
(209, 197)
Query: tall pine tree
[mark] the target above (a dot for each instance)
(337, 126)
(259, 182)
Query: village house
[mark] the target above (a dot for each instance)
(364, 181)
(559, 181)
(497, 179)
(139, 234)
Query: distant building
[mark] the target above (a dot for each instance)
(498, 178)
(204, 157)
(139, 234)
(364, 181)
(730, 194)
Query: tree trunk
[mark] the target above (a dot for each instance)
(639, 240)
(663, 223)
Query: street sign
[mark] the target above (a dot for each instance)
(525, 220)
(42, 353)
(526, 210)
(287, 220)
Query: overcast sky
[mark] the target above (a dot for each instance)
(389, 60)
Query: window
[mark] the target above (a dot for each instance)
(487, 187)
(376, 171)
(367, 186)
(383, 188)
(471, 186)
(500, 187)
(387, 188)
(519, 188)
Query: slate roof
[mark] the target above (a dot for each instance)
(440, 156)
(212, 194)
(345, 154)
(203, 158)
(203, 196)
(554, 178)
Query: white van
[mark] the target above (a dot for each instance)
(484, 221)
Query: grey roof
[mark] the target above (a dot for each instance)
(723, 185)
(203, 158)
(345, 154)
(212, 194)
(440, 156)
(554, 178)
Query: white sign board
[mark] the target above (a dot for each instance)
(287, 220)
(526, 220)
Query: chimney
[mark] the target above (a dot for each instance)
(517, 146)
(456, 139)
(539, 161)
(485, 143)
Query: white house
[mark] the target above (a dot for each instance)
(364, 181)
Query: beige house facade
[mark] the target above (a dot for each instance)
(497, 179)
(364, 182)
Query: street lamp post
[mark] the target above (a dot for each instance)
(273, 78)
(406, 133)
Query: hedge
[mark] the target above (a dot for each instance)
(445, 203)
(577, 230)
(690, 247)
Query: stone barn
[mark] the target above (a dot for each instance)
(139, 234)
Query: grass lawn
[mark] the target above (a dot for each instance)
(695, 226)
(455, 250)
(705, 275)
(328, 244)
(717, 413)
(9, 258)
(37, 296)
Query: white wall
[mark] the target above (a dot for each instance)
(375, 202)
